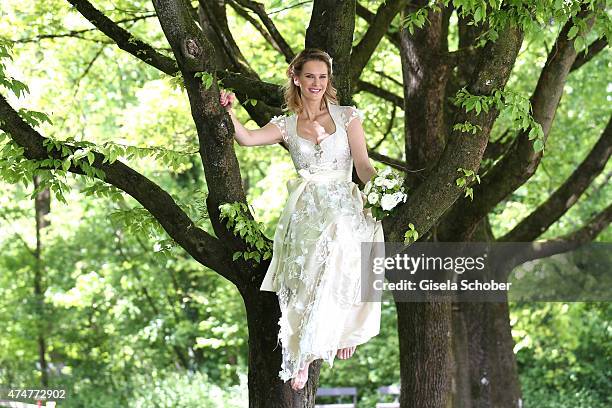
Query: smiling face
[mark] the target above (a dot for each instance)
(313, 79)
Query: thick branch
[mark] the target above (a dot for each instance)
(215, 28)
(213, 19)
(268, 93)
(124, 39)
(425, 76)
(566, 243)
(194, 53)
(362, 52)
(594, 49)
(368, 16)
(339, 14)
(567, 194)
(429, 201)
(380, 92)
(203, 247)
(521, 161)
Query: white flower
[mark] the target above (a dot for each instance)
(399, 197)
(379, 181)
(367, 188)
(390, 183)
(373, 198)
(386, 171)
(388, 202)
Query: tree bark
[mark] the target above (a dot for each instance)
(42, 206)
(485, 373)
(266, 390)
(425, 349)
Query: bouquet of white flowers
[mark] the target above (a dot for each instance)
(383, 193)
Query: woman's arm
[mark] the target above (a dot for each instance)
(359, 150)
(269, 134)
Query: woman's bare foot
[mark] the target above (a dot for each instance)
(346, 352)
(300, 379)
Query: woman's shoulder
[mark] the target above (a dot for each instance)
(347, 108)
(349, 112)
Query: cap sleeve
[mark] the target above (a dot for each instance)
(350, 113)
(281, 124)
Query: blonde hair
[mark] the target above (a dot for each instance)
(292, 92)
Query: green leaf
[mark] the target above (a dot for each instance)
(538, 145)
(533, 133)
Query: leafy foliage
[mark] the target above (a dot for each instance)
(466, 180)
(238, 219)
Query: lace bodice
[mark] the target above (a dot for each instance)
(334, 152)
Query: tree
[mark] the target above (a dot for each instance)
(451, 100)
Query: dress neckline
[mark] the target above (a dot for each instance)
(310, 141)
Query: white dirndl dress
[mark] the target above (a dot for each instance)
(316, 264)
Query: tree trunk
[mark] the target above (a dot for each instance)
(266, 390)
(424, 342)
(485, 373)
(42, 206)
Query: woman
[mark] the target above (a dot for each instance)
(316, 263)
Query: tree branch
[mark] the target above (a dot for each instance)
(368, 16)
(242, 12)
(567, 194)
(124, 39)
(76, 33)
(270, 94)
(594, 48)
(566, 243)
(395, 163)
(195, 54)
(279, 41)
(213, 20)
(521, 160)
(380, 92)
(496, 149)
(147, 54)
(431, 199)
(378, 27)
(339, 14)
(203, 247)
